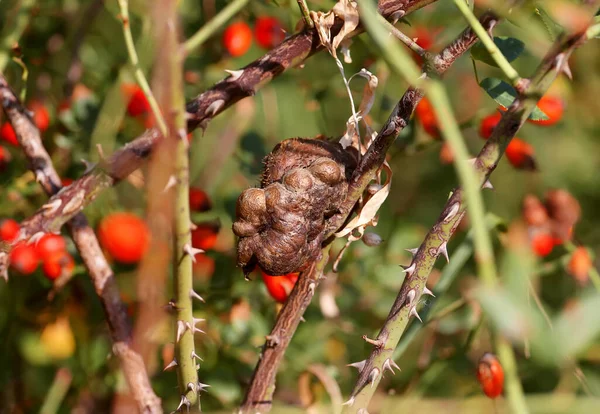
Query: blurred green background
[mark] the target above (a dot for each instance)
(226, 158)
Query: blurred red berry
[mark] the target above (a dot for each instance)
(488, 124)
(446, 154)
(268, 32)
(125, 236)
(542, 244)
(23, 258)
(50, 244)
(553, 107)
(199, 200)
(7, 133)
(58, 264)
(204, 236)
(520, 154)
(490, 375)
(237, 38)
(41, 117)
(138, 103)
(9, 230)
(279, 287)
(426, 116)
(66, 182)
(580, 264)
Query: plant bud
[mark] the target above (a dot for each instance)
(372, 239)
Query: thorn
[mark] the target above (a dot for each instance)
(350, 402)
(373, 376)
(171, 306)
(413, 251)
(191, 387)
(195, 356)
(214, 107)
(426, 291)
(194, 295)
(171, 365)
(100, 151)
(488, 185)
(202, 387)
(51, 207)
(181, 327)
(376, 343)
(193, 226)
(411, 296)
(362, 411)
(472, 160)
(452, 212)
(36, 237)
(184, 401)
(192, 251)
(312, 286)
(566, 69)
(409, 270)
(413, 312)
(170, 184)
(358, 365)
(197, 320)
(89, 166)
(443, 249)
(235, 74)
(302, 319)
(387, 366)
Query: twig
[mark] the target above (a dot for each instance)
(259, 394)
(488, 43)
(57, 391)
(241, 84)
(305, 14)
(427, 253)
(410, 43)
(137, 70)
(89, 249)
(12, 34)
(214, 24)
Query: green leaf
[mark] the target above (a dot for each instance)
(504, 95)
(510, 47)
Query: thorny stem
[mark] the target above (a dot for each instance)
(213, 25)
(409, 42)
(488, 43)
(137, 70)
(259, 394)
(459, 258)
(453, 212)
(12, 33)
(90, 251)
(305, 13)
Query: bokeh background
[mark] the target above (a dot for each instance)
(72, 49)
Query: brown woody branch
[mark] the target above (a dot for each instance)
(241, 84)
(435, 242)
(89, 249)
(259, 394)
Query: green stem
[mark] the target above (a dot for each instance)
(210, 27)
(137, 70)
(57, 392)
(512, 383)
(12, 34)
(488, 43)
(305, 13)
(470, 182)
